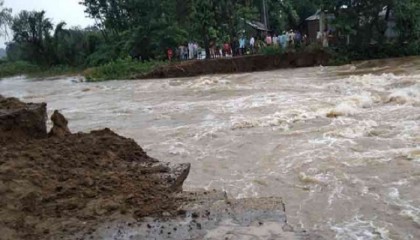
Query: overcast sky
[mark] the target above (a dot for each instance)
(69, 11)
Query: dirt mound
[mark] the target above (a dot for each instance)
(60, 128)
(54, 187)
(20, 121)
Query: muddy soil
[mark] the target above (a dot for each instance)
(20, 121)
(240, 64)
(57, 186)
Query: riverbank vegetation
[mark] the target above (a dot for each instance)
(131, 38)
(121, 69)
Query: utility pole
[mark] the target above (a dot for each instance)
(265, 13)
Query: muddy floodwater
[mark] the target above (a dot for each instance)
(356, 176)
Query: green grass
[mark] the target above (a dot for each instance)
(116, 70)
(9, 69)
(120, 70)
(59, 70)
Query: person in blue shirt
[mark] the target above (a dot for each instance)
(283, 40)
(279, 41)
(242, 46)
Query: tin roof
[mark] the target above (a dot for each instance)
(317, 16)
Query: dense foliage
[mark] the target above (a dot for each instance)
(120, 69)
(145, 29)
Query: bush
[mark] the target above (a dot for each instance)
(347, 54)
(8, 69)
(313, 47)
(102, 56)
(413, 48)
(272, 50)
(58, 70)
(120, 69)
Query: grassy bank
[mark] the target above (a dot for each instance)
(349, 54)
(116, 70)
(121, 69)
(10, 69)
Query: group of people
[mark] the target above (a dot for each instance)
(242, 45)
(188, 51)
(286, 39)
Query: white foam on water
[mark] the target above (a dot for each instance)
(407, 209)
(373, 81)
(355, 104)
(346, 109)
(414, 156)
(359, 229)
(409, 95)
(337, 192)
(242, 103)
(276, 120)
(209, 132)
(320, 178)
(179, 148)
(411, 214)
(360, 129)
(280, 120)
(325, 140)
(208, 82)
(394, 193)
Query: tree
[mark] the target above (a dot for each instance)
(31, 31)
(283, 15)
(407, 13)
(142, 28)
(5, 19)
(204, 20)
(146, 28)
(72, 46)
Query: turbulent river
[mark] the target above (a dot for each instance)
(262, 134)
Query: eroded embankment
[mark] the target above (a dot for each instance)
(65, 183)
(240, 64)
(100, 185)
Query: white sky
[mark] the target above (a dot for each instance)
(69, 11)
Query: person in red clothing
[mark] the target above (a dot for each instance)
(268, 40)
(226, 49)
(170, 53)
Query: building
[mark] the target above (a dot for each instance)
(318, 22)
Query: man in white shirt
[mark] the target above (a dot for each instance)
(190, 50)
(275, 40)
(292, 37)
(252, 44)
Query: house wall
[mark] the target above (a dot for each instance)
(313, 28)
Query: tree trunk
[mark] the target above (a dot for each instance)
(207, 46)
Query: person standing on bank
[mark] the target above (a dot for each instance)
(268, 39)
(242, 45)
(252, 44)
(275, 40)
